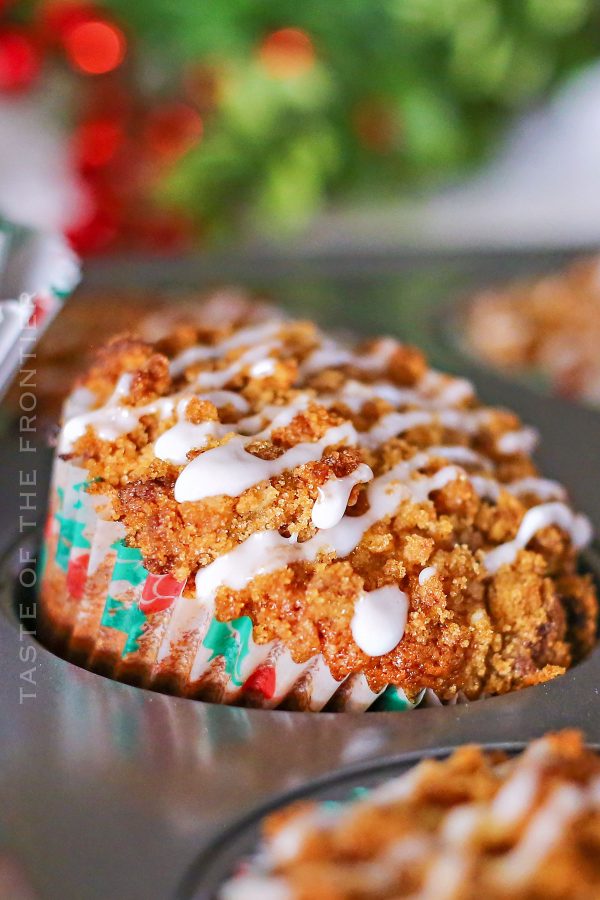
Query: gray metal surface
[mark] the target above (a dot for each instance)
(108, 790)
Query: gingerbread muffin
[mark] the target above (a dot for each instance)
(248, 511)
(546, 328)
(476, 825)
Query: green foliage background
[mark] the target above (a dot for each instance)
(445, 76)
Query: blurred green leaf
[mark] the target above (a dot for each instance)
(401, 94)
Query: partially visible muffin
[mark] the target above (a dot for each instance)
(476, 825)
(548, 326)
(249, 511)
(90, 319)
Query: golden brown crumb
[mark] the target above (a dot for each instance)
(474, 825)
(548, 325)
(468, 630)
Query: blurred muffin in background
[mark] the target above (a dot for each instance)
(548, 326)
(475, 825)
(92, 317)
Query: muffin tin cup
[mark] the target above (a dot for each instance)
(221, 859)
(111, 789)
(174, 774)
(102, 609)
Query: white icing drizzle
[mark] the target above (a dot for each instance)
(263, 368)
(230, 469)
(267, 551)
(80, 401)
(112, 420)
(271, 417)
(397, 790)
(544, 488)
(379, 620)
(445, 876)
(460, 454)
(433, 392)
(355, 394)
(426, 574)
(221, 377)
(544, 831)
(174, 445)
(462, 822)
(333, 496)
(122, 388)
(516, 796)
(534, 520)
(244, 337)
(332, 354)
(394, 424)
(227, 398)
(327, 356)
(525, 440)
(468, 421)
(450, 390)
(288, 841)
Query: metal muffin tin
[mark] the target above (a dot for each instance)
(110, 790)
(220, 858)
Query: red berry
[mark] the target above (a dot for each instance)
(95, 47)
(19, 60)
(172, 130)
(97, 142)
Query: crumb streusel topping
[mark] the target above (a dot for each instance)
(477, 825)
(357, 505)
(548, 325)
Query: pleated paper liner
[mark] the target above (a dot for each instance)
(102, 609)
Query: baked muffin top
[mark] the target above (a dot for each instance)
(474, 825)
(349, 499)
